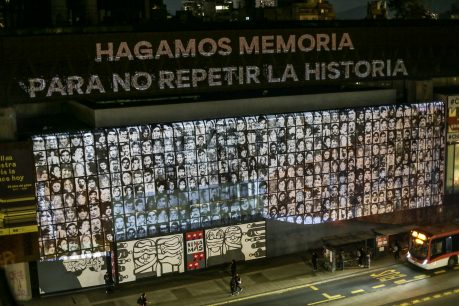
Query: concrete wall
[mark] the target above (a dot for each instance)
(82, 113)
(239, 107)
(287, 238)
(8, 128)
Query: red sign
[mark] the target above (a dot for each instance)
(195, 255)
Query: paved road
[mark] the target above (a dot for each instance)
(447, 297)
(366, 288)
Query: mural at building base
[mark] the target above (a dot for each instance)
(55, 276)
(154, 257)
(150, 257)
(239, 242)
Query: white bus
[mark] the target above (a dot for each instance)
(434, 247)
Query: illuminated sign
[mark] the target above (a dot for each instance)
(215, 76)
(16, 176)
(139, 65)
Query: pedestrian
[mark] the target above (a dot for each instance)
(233, 284)
(360, 257)
(142, 300)
(363, 255)
(233, 268)
(314, 261)
(368, 258)
(399, 247)
(238, 283)
(108, 282)
(341, 259)
(396, 250)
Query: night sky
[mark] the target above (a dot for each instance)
(342, 7)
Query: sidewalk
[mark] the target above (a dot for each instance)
(211, 286)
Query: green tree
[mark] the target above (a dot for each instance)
(396, 6)
(407, 9)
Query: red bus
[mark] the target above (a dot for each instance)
(434, 247)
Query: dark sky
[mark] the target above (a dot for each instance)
(342, 6)
(173, 5)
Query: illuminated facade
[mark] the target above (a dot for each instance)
(308, 168)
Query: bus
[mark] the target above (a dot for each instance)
(434, 247)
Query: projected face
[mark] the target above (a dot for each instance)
(350, 160)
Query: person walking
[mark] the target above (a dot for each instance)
(142, 300)
(341, 260)
(362, 257)
(233, 284)
(238, 283)
(108, 282)
(233, 268)
(367, 258)
(396, 251)
(359, 258)
(314, 261)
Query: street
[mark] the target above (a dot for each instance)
(400, 284)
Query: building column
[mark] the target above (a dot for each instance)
(8, 127)
(419, 90)
(59, 12)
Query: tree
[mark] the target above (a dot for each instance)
(397, 7)
(407, 9)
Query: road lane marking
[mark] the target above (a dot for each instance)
(336, 297)
(439, 271)
(400, 281)
(421, 276)
(357, 291)
(314, 288)
(431, 297)
(378, 286)
(332, 297)
(427, 298)
(387, 275)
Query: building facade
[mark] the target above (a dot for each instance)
(170, 152)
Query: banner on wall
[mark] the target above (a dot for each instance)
(150, 257)
(239, 242)
(453, 122)
(195, 255)
(19, 281)
(55, 276)
(16, 173)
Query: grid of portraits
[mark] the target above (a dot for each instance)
(171, 178)
(307, 168)
(74, 194)
(340, 164)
